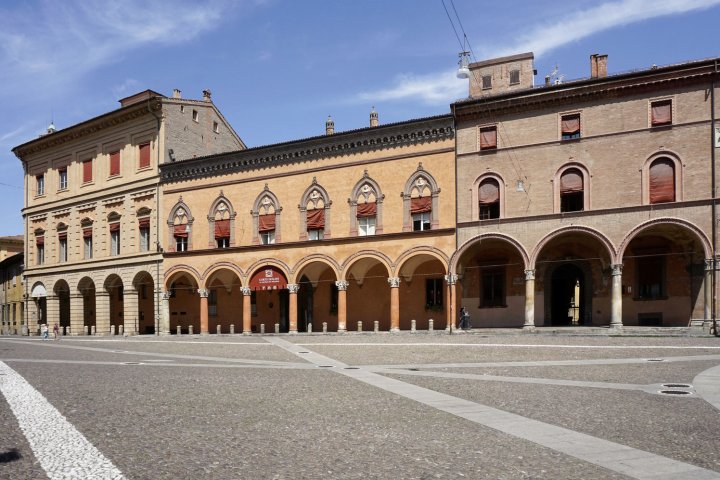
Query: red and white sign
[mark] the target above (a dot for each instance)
(268, 278)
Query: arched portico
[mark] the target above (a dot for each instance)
(111, 306)
(38, 316)
(87, 307)
(61, 306)
(183, 302)
(225, 300)
(317, 296)
(269, 300)
(142, 304)
(368, 276)
(423, 292)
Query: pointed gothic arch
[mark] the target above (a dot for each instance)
(420, 185)
(366, 192)
(318, 215)
(179, 223)
(221, 222)
(266, 218)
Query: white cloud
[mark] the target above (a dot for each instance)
(544, 38)
(433, 89)
(119, 91)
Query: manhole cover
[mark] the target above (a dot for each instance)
(675, 385)
(674, 392)
(655, 359)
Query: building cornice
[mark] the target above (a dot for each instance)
(414, 132)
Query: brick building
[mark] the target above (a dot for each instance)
(586, 202)
(91, 210)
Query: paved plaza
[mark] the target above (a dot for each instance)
(380, 406)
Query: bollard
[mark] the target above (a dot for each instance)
(190, 329)
(277, 328)
(309, 328)
(219, 329)
(94, 331)
(179, 330)
(431, 325)
(121, 329)
(232, 329)
(324, 327)
(262, 328)
(359, 326)
(413, 324)
(376, 326)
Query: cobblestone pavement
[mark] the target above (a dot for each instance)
(405, 406)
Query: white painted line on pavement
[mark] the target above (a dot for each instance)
(512, 345)
(63, 452)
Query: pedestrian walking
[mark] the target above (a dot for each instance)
(44, 331)
(464, 319)
(56, 331)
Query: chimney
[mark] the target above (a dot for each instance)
(329, 126)
(547, 80)
(177, 93)
(206, 95)
(598, 66)
(374, 118)
(593, 65)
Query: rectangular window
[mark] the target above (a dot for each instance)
(195, 116)
(433, 292)
(144, 152)
(514, 77)
(366, 226)
(114, 239)
(63, 178)
(40, 244)
(661, 113)
(212, 302)
(570, 126)
(316, 234)
(486, 82)
(87, 170)
(40, 185)
(87, 243)
(216, 127)
(114, 163)
(63, 248)
(223, 242)
(490, 211)
(651, 277)
(144, 239)
(421, 221)
(181, 244)
(492, 289)
(488, 138)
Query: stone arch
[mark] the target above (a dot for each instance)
(179, 215)
(362, 254)
(250, 271)
(315, 194)
(86, 289)
(697, 231)
(220, 266)
(454, 260)
(315, 257)
(420, 184)
(114, 289)
(221, 209)
(187, 269)
(587, 178)
(367, 188)
(143, 284)
(645, 174)
(475, 197)
(576, 229)
(266, 203)
(430, 251)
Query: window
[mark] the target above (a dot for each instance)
(572, 195)
(486, 82)
(222, 233)
(40, 185)
(180, 234)
(221, 218)
(488, 138)
(144, 154)
(492, 288)
(662, 181)
(266, 218)
(223, 242)
(420, 209)
(144, 227)
(661, 113)
(514, 77)
(87, 241)
(87, 170)
(182, 108)
(180, 228)
(316, 234)
(314, 208)
(195, 116)
(40, 245)
(212, 302)
(420, 201)
(216, 127)
(267, 238)
(570, 126)
(114, 163)
(489, 199)
(651, 277)
(115, 238)
(62, 173)
(421, 221)
(62, 246)
(433, 293)
(366, 226)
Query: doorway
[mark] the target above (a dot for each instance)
(567, 296)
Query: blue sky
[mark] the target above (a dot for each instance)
(278, 68)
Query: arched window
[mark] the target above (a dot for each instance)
(662, 181)
(420, 202)
(489, 199)
(114, 227)
(366, 208)
(221, 221)
(572, 191)
(266, 218)
(180, 227)
(315, 213)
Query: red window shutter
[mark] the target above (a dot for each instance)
(662, 181)
(316, 219)
(421, 205)
(144, 155)
(114, 163)
(571, 181)
(489, 192)
(62, 235)
(661, 112)
(266, 223)
(222, 228)
(87, 171)
(40, 240)
(180, 231)
(488, 138)
(366, 209)
(115, 227)
(144, 222)
(571, 124)
(87, 232)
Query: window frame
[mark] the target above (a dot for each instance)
(512, 72)
(364, 225)
(62, 178)
(571, 115)
(40, 185)
(657, 101)
(486, 81)
(498, 277)
(418, 219)
(434, 288)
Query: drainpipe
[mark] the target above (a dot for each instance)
(713, 282)
(158, 248)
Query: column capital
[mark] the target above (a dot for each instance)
(617, 269)
(394, 282)
(166, 295)
(246, 291)
(708, 264)
(203, 292)
(293, 287)
(342, 284)
(451, 279)
(529, 274)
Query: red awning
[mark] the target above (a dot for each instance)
(268, 278)
(222, 228)
(421, 205)
(488, 138)
(662, 181)
(489, 192)
(570, 124)
(571, 181)
(144, 222)
(266, 223)
(40, 240)
(316, 219)
(366, 209)
(180, 231)
(115, 227)
(87, 232)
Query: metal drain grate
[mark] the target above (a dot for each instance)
(674, 392)
(676, 385)
(326, 366)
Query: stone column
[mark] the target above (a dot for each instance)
(102, 312)
(204, 311)
(529, 300)
(394, 303)
(130, 312)
(616, 310)
(293, 289)
(53, 311)
(451, 289)
(342, 286)
(33, 316)
(247, 311)
(77, 311)
(708, 289)
(164, 325)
